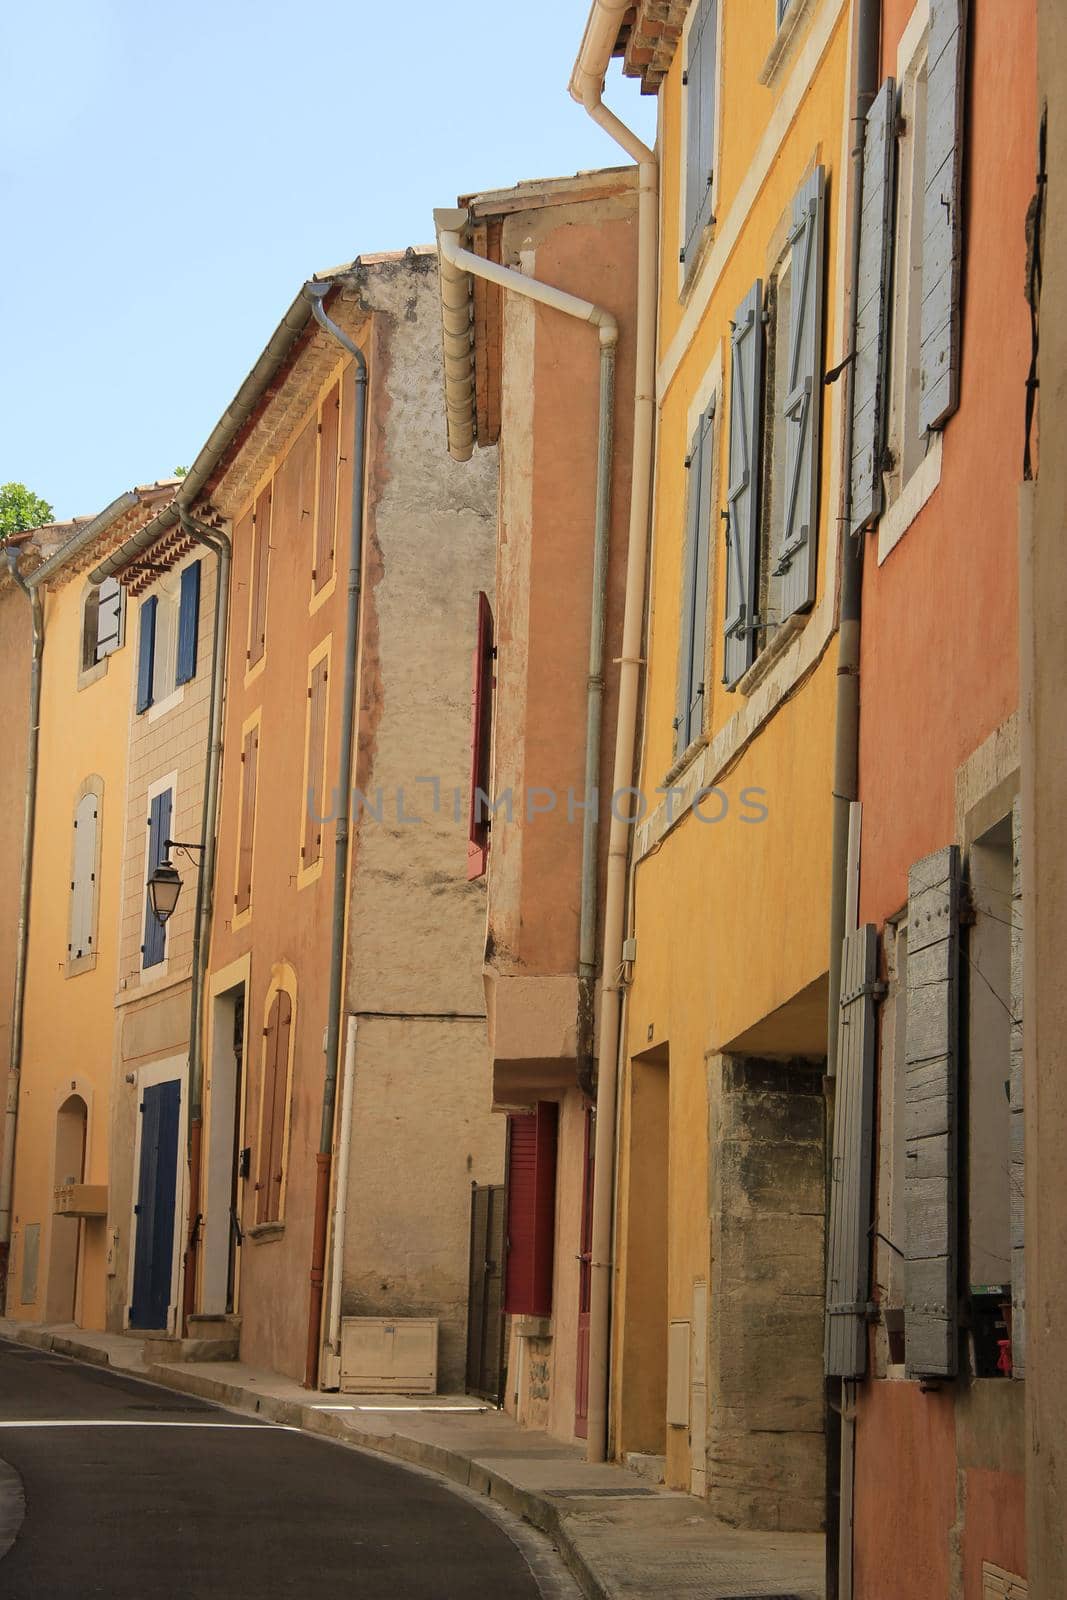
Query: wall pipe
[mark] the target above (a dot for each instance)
(587, 86)
(217, 541)
(455, 260)
(316, 293)
(340, 1200)
(29, 816)
(840, 1424)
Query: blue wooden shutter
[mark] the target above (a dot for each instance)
(146, 653)
(803, 401)
(939, 358)
(931, 1106)
(870, 384)
(849, 1243)
(188, 623)
(700, 124)
(743, 493)
(155, 934)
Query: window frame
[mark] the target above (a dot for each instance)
(156, 969)
(310, 869)
(90, 672)
(243, 914)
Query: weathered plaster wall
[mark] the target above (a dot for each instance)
(1044, 746)
(938, 761)
(423, 1128)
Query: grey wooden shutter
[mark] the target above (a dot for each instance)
(848, 1247)
(83, 884)
(931, 1116)
(1016, 1167)
(939, 358)
(803, 400)
(870, 385)
(692, 658)
(742, 496)
(700, 124)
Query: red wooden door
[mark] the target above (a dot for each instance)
(585, 1277)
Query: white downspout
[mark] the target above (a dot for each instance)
(340, 1201)
(586, 86)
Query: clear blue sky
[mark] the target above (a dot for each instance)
(171, 174)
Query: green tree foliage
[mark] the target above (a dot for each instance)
(21, 509)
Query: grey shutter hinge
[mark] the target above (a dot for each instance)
(877, 989)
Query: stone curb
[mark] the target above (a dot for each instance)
(537, 1509)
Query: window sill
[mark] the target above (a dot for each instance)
(689, 271)
(895, 522)
(785, 40)
(87, 676)
(81, 964)
(159, 708)
(771, 653)
(685, 760)
(263, 1231)
(533, 1327)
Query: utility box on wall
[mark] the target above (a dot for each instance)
(388, 1355)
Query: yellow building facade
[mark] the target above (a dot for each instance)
(60, 1247)
(717, 1326)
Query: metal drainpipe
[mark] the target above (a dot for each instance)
(450, 224)
(316, 294)
(839, 1422)
(586, 86)
(7, 1171)
(214, 539)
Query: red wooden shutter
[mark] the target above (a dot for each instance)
(257, 633)
(481, 736)
(314, 799)
(249, 777)
(532, 1139)
(326, 517)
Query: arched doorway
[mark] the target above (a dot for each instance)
(69, 1167)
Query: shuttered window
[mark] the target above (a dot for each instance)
(315, 753)
(83, 887)
(155, 934)
(249, 779)
(328, 478)
(870, 374)
(700, 98)
(532, 1139)
(848, 1247)
(481, 740)
(257, 620)
(188, 623)
(802, 400)
(932, 1117)
(274, 1103)
(942, 230)
(146, 654)
(743, 493)
(693, 646)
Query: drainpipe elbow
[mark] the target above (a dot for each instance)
(315, 292)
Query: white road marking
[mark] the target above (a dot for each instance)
(102, 1422)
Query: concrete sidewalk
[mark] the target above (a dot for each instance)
(621, 1538)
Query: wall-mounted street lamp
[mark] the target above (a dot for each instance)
(165, 884)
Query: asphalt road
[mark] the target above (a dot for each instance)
(118, 1488)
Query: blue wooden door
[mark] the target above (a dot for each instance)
(153, 1253)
